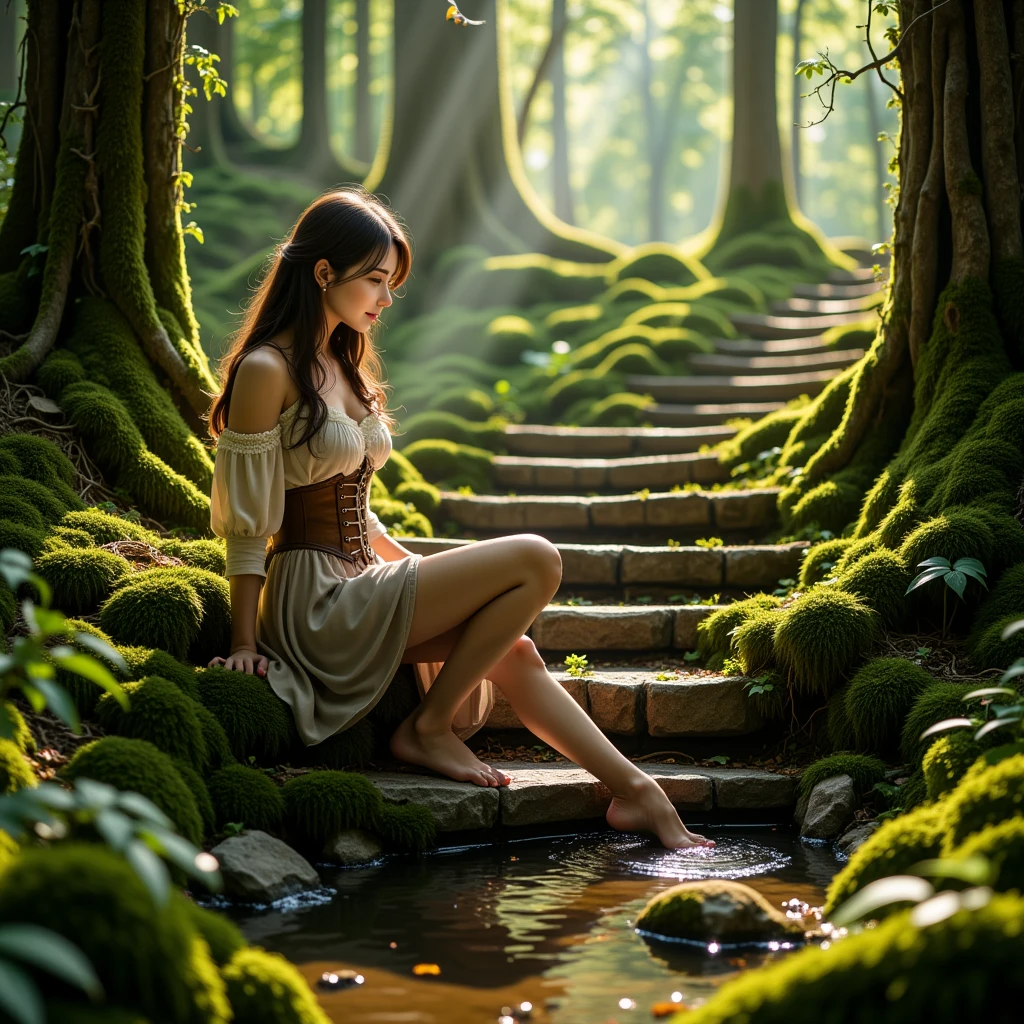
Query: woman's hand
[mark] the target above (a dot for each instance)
(244, 659)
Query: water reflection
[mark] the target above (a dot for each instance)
(549, 920)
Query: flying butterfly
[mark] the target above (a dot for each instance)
(454, 14)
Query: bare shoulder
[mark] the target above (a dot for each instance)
(260, 392)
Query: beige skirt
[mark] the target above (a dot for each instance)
(334, 636)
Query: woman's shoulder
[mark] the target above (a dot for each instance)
(261, 390)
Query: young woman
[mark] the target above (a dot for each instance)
(331, 608)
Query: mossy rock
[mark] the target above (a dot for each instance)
(15, 771)
(956, 533)
(158, 608)
(243, 794)
(762, 435)
(105, 528)
(149, 958)
(714, 632)
(989, 649)
(879, 698)
(319, 805)
(892, 850)
(448, 426)
(821, 636)
(22, 538)
(659, 262)
(218, 747)
(453, 465)
(966, 967)
(947, 760)
(264, 988)
(820, 561)
(622, 409)
(214, 636)
(984, 797)
(137, 766)
(715, 910)
(863, 770)
(425, 498)
(256, 721)
(1002, 845)
(159, 713)
(409, 828)
(82, 579)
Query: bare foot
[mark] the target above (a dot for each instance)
(442, 752)
(647, 809)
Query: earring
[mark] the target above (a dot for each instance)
(325, 287)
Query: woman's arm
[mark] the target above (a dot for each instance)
(389, 549)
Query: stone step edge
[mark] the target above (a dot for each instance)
(542, 794)
(649, 703)
(613, 565)
(624, 474)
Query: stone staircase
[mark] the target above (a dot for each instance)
(624, 507)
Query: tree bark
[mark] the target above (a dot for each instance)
(9, 61)
(883, 227)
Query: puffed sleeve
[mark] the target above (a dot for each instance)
(247, 501)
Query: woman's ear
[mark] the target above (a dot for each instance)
(322, 273)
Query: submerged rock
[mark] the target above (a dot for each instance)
(830, 808)
(352, 847)
(257, 868)
(716, 910)
(855, 836)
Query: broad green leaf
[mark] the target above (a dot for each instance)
(180, 851)
(103, 649)
(60, 703)
(990, 691)
(1013, 627)
(976, 870)
(925, 577)
(144, 809)
(996, 723)
(936, 561)
(97, 795)
(946, 723)
(150, 869)
(49, 794)
(53, 953)
(1006, 710)
(970, 572)
(19, 995)
(1016, 669)
(89, 668)
(882, 893)
(957, 582)
(970, 565)
(15, 567)
(1002, 752)
(116, 828)
(33, 696)
(946, 904)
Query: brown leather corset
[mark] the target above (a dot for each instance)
(329, 516)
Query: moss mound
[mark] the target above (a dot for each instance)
(22, 737)
(319, 805)
(1002, 845)
(880, 579)
(246, 795)
(148, 958)
(984, 798)
(218, 746)
(155, 609)
(407, 827)
(15, 771)
(424, 497)
(934, 704)
(657, 261)
(219, 933)
(821, 637)
(197, 787)
(138, 766)
(448, 426)
(264, 988)
(988, 649)
(947, 760)
(754, 641)
(160, 713)
(143, 661)
(879, 698)
(900, 843)
(200, 554)
(255, 720)
(865, 772)
(105, 528)
(714, 633)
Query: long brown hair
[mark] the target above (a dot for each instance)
(347, 227)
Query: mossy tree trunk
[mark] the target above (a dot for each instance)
(561, 187)
(797, 100)
(453, 168)
(96, 203)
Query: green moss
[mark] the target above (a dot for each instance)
(754, 642)
(148, 958)
(200, 554)
(407, 827)
(143, 661)
(533, 277)
(319, 805)
(220, 933)
(82, 579)
(900, 843)
(838, 727)
(820, 561)
(821, 636)
(622, 409)
(264, 988)
(60, 369)
(257, 722)
(632, 358)
(880, 580)
(985, 798)
(947, 760)
(43, 499)
(575, 386)
(507, 338)
(447, 426)
(22, 736)
(714, 633)
(243, 794)
(214, 636)
(865, 772)
(158, 608)
(880, 697)
(160, 713)
(987, 647)
(657, 261)
(197, 787)
(967, 967)
(425, 498)
(15, 771)
(218, 746)
(913, 793)
(39, 459)
(22, 538)
(762, 435)
(8, 608)
(702, 317)
(469, 403)
(958, 533)
(138, 766)
(18, 511)
(105, 528)
(1002, 845)
(857, 335)
(934, 704)
(452, 465)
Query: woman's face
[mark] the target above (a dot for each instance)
(359, 301)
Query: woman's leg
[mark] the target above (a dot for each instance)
(492, 590)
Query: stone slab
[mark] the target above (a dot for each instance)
(700, 706)
(690, 508)
(688, 617)
(685, 566)
(457, 806)
(743, 510)
(764, 565)
(554, 793)
(750, 789)
(603, 628)
(616, 513)
(503, 716)
(592, 564)
(616, 702)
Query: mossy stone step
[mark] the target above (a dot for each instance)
(563, 792)
(764, 365)
(586, 629)
(707, 413)
(727, 510)
(845, 290)
(764, 325)
(798, 306)
(609, 442)
(771, 346)
(641, 702)
(528, 473)
(732, 389)
(859, 275)
(756, 566)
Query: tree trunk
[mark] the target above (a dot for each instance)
(871, 96)
(364, 143)
(9, 62)
(794, 132)
(559, 124)
(453, 169)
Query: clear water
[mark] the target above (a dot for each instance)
(548, 920)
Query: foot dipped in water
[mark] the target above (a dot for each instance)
(442, 751)
(647, 809)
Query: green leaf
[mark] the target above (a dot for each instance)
(957, 582)
(15, 567)
(150, 869)
(89, 668)
(882, 893)
(970, 572)
(990, 691)
(144, 809)
(996, 754)
(1016, 669)
(53, 953)
(19, 995)
(1013, 627)
(719, 759)
(116, 829)
(946, 723)
(996, 723)
(969, 565)
(60, 703)
(103, 649)
(95, 795)
(925, 577)
(936, 561)
(974, 870)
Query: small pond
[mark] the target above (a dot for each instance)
(547, 920)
